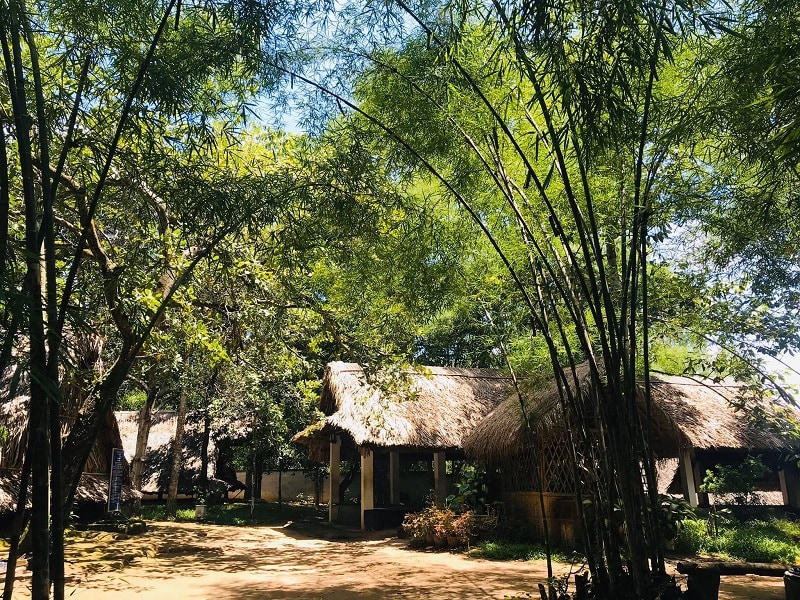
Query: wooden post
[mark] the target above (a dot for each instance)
(394, 477)
(688, 482)
(702, 497)
(333, 480)
(789, 485)
(367, 482)
(440, 477)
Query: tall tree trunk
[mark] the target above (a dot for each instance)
(18, 526)
(248, 484)
(39, 451)
(142, 435)
(57, 492)
(202, 481)
(38, 423)
(258, 478)
(202, 478)
(78, 445)
(177, 448)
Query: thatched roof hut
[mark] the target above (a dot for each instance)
(163, 425)
(427, 408)
(92, 489)
(14, 418)
(93, 486)
(686, 413)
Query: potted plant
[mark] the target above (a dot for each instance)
(462, 528)
(443, 520)
(200, 504)
(428, 526)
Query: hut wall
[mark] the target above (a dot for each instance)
(560, 509)
(551, 461)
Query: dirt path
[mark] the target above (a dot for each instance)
(178, 561)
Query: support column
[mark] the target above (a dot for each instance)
(367, 483)
(702, 497)
(440, 477)
(688, 483)
(333, 479)
(394, 477)
(790, 485)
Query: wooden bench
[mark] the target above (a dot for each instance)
(704, 578)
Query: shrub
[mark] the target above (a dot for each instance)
(417, 525)
(759, 541)
(471, 490)
(739, 481)
(440, 522)
(671, 512)
(184, 514)
(789, 527)
(463, 527)
(505, 550)
(692, 536)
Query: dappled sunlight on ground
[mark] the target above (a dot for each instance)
(192, 561)
(197, 562)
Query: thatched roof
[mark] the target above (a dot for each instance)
(426, 408)
(163, 425)
(686, 413)
(92, 489)
(14, 419)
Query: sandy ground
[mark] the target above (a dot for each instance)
(177, 561)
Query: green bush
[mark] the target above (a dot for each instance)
(502, 550)
(789, 527)
(671, 512)
(471, 490)
(757, 541)
(184, 514)
(234, 513)
(692, 536)
(739, 480)
(505, 550)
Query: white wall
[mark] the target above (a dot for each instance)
(293, 483)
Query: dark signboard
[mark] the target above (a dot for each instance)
(115, 481)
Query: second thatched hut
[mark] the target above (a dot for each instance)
(694, 426)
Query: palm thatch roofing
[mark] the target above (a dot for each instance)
(14, 420)
(93, 485)
(92, 489)
(427, 408)
(686, 413)
(163, 425)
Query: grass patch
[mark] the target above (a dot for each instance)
(506, 550)
(773, 540)
(234, 513)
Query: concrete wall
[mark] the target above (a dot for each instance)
(293, 483)
(414, 487)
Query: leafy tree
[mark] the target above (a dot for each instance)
(740, 480)
(550, 127)
(100, 97)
